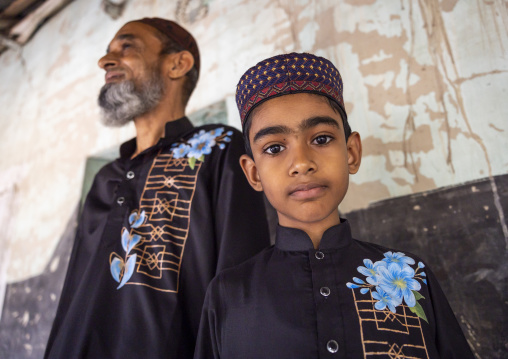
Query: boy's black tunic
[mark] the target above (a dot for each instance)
(153, 233)
(292, 301)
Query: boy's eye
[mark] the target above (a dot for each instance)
(322, 140)
(274, 149)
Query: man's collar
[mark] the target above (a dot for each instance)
(173, 131)
(292, 239)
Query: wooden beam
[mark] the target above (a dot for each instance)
(24, 29)
(18, 6)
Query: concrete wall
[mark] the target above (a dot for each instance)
(425, 85)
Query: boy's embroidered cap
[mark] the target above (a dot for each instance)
(176, 33)
(288, 74)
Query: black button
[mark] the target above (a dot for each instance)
(332, 346)
(325, 291)
(319, 255)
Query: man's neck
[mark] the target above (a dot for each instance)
(150, 126)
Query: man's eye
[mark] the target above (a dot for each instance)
(322, 140)
(274, 149)
(126, 46)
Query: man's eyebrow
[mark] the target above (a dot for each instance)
(122, 37)
(272, 130)
(318, 120)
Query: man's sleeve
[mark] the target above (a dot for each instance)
(240, 217)
(450, 340)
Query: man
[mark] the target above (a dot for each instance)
(161, 220)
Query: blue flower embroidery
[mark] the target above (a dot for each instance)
(123, 268)
(201, 144)
(181, 150)
(398, 258)
(392, 281)
(370, 270)
(384, 300)
(399, 283)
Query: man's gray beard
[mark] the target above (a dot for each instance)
(122, 102)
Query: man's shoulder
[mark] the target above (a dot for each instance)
(209, 144)
(107, 169)
(214, 130)
(212, 126)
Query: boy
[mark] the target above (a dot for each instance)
(317, 293)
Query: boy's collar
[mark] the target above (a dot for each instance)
(292, 239)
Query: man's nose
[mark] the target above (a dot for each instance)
(302, 161)
(108, 60)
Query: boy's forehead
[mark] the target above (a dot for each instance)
(273, 104)
(293, 112)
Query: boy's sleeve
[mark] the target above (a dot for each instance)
(241, 224)
(450, 340)
(209, 334)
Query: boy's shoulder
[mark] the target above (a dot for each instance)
(242, 273)
(383, 251)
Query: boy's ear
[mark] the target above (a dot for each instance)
(251, 172)
(354, 152)
(177, 65)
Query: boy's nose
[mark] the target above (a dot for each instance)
(302, 161)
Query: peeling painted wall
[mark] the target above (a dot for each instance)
(425, 85)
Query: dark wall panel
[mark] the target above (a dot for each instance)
(459, 232)
(30, 305)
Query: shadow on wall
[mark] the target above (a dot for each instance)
(30, 305)
(458, 232)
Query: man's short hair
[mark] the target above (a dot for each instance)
(171, 47)
(175, 38)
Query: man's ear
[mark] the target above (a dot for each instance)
(177, 65)
(354, 152)
(251, 172)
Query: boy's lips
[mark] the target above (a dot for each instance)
(306, 190)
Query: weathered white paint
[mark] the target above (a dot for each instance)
(425, 85)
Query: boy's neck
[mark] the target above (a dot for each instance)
(314, 230)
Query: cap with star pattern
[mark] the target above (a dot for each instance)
(288, 74)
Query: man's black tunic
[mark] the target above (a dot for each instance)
(154, 231)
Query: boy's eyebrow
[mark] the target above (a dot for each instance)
(304, 125)
(122, 37)
(272, 130)
(318, 120)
